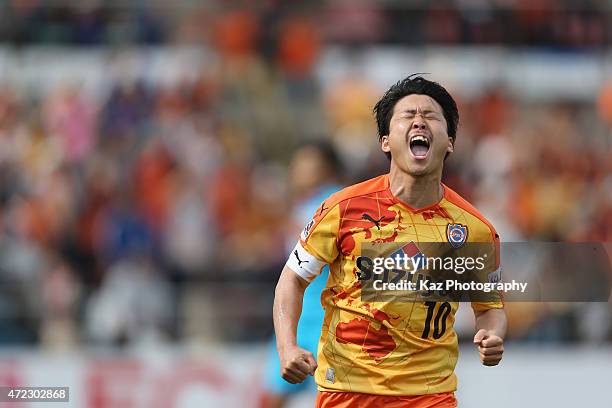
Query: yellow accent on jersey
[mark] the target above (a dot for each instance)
(385, 347)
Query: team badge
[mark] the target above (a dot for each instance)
(456, 234)
(307, 229)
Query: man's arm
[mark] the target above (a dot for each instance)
(490, 332)
(296, 363)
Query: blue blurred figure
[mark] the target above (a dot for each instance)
(314, 173)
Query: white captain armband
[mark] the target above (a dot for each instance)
(304, 264)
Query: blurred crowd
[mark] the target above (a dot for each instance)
(551, 23)
(160, 212)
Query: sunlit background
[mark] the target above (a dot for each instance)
(147, 179)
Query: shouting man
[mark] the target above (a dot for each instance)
(384, 352)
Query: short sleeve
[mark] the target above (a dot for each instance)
(318, 243)
(493, 274)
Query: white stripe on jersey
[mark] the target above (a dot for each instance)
(301, 262)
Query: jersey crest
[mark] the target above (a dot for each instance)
(456, 234)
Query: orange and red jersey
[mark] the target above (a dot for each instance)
(385, 347)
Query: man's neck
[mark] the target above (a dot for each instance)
(417, 192)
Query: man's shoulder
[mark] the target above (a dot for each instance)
(331, 208)
(478, 221)
(371, 186)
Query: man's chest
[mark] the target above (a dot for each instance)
(391, 224)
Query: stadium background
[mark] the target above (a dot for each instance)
(144, 185)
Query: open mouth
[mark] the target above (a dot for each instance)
(419, 146)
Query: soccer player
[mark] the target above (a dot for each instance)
(313, 176)
(388, 353)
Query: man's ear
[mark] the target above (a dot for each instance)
(384, 144)
(451, 146)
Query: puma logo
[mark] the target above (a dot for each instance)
(300, 262)
(323, 208)
(376, 222)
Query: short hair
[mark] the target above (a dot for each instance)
(415, 84)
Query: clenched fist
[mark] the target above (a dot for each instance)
(490, 346)
(296, 364)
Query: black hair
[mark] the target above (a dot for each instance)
(415, 84)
